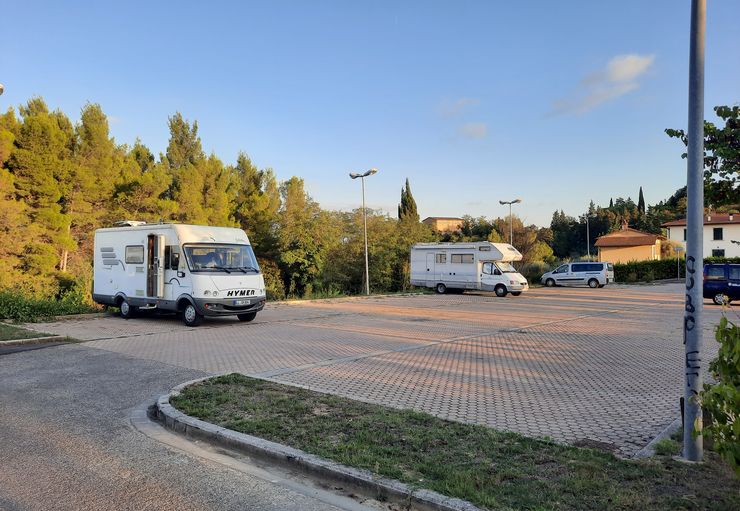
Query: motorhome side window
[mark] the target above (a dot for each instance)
(488, 268)
(171, 258)
(441, 258)
(462, 258)
(135, 254)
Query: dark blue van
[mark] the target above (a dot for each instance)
(722, 282)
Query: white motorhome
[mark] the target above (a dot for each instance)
(480, 265)
(191, 269)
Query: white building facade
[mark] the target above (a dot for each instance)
(721, 234)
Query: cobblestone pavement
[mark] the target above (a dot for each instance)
(576, 365)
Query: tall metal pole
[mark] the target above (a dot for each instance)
(364, 218)
(511, 227)
(588, 241)
(693, 449)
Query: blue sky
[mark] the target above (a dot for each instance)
(554, 102)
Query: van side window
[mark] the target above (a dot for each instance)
(562, 269)
(441, 259)
(579, 268)
(734, 272)
(135, 254)
(595, 266)
(716, 273)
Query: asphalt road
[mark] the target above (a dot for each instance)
(66, 441)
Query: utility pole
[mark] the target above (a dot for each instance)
(693, 448)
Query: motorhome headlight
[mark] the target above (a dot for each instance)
(206, 293)
(215, 293)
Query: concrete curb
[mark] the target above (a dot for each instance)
(34, 340)
(649, 450)
(312, 466)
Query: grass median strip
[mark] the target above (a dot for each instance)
(10, 332)
(490, 468)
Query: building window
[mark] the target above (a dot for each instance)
(684, 234)
(135, 254)
(463, 258)
(441, 259)
(717, 231)
(718, 252)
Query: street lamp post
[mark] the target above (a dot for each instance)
(511, 223)
(362, 177)
(588, 237)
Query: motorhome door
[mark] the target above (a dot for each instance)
(430, 270)
(155, 266)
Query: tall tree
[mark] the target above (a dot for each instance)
(184, 146)
(407, 210)
(257, 204)
(641, 203)
(721, 157)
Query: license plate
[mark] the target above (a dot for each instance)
(241, 302)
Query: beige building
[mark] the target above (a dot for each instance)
(628, 245)
(721, 234)
(443, 223)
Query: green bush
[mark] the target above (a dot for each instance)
(722, 400)
(24, 309)
(533, 271)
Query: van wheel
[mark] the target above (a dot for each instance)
(500, 290)
(247, 316)
(441, 289)
(190, 316)
(550, 283)
(593, 283)
(721, 299)
(128, 311)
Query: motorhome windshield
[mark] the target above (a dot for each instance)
(506, 267)
(221, 258)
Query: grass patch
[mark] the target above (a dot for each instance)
(10, 332)
(490, 468)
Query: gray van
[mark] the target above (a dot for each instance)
(580, 274)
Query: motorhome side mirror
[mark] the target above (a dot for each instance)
(497, 272)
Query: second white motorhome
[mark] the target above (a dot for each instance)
(481, 265)
(194, 270)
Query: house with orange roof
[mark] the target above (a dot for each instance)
(627, 245)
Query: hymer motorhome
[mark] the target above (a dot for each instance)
(194, 270)
(480, 265)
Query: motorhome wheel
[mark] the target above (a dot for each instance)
(441, 289)
(500, 290)
(247, 316)
(127, 310)
(190, 316)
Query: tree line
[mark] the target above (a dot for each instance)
(60, 180)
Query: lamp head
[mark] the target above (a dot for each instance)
(371, 172)
(502, 202)
(516, 201)
(354, 175)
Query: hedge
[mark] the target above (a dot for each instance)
(648, 271)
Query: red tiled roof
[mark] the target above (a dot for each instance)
(713, 219)
(627, 238)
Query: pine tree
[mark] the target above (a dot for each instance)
(611, 203)
(407, 208)
(257, 203)
(641, 203)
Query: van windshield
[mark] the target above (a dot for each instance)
(221, 258)
(506, 267)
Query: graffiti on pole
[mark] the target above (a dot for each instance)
(689, 323)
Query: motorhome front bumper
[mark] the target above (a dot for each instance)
(229, 306)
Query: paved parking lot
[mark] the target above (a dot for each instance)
(577, 365)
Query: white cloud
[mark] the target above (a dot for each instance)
(473, 130)
(619, 77)
(456, 107)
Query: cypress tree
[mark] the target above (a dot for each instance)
(407, 209)
(641, 203)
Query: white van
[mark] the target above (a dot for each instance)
(481, 265)
(580, 274)
(191, 269)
